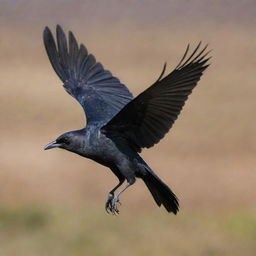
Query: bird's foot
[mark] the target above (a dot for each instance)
(111, 204)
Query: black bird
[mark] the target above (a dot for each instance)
(118, 125)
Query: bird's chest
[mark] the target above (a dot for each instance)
(101, 149)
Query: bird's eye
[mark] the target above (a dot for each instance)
(63, 140)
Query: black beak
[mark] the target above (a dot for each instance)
(52, 144)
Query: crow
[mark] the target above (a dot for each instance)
(118, 125)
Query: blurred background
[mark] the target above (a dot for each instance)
(52, 203)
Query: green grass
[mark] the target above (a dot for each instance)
(28, 218)
(242, 224)
(34, 230)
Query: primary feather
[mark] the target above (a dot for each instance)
(100, 94)
(145, 120)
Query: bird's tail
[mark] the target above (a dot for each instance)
(161, 192)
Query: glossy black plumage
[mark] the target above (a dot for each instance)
(100, 94)
(146, 119)
(118, 126)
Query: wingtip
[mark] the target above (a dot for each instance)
(73, 45)
(199, 57)
(59, 30)
(71, 36)
(47, 35)
(58, 27)
(162, 73)
(184, 56)
(46, 30)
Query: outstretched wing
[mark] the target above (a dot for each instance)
(145, 120)
(100, 94)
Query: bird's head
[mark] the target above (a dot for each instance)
(70, 141)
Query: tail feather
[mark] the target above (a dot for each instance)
(161, 193)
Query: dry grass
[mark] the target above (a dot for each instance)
(54, 231)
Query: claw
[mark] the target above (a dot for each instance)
(108, 205)
(114, 203)
(111, 204)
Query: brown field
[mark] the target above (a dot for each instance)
(52, 202)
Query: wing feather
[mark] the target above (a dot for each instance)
(100, 94)
(145, 120)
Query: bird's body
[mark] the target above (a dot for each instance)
(92, 143)
(118, 125)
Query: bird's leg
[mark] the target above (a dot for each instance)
(115, 200)
(111, 195)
